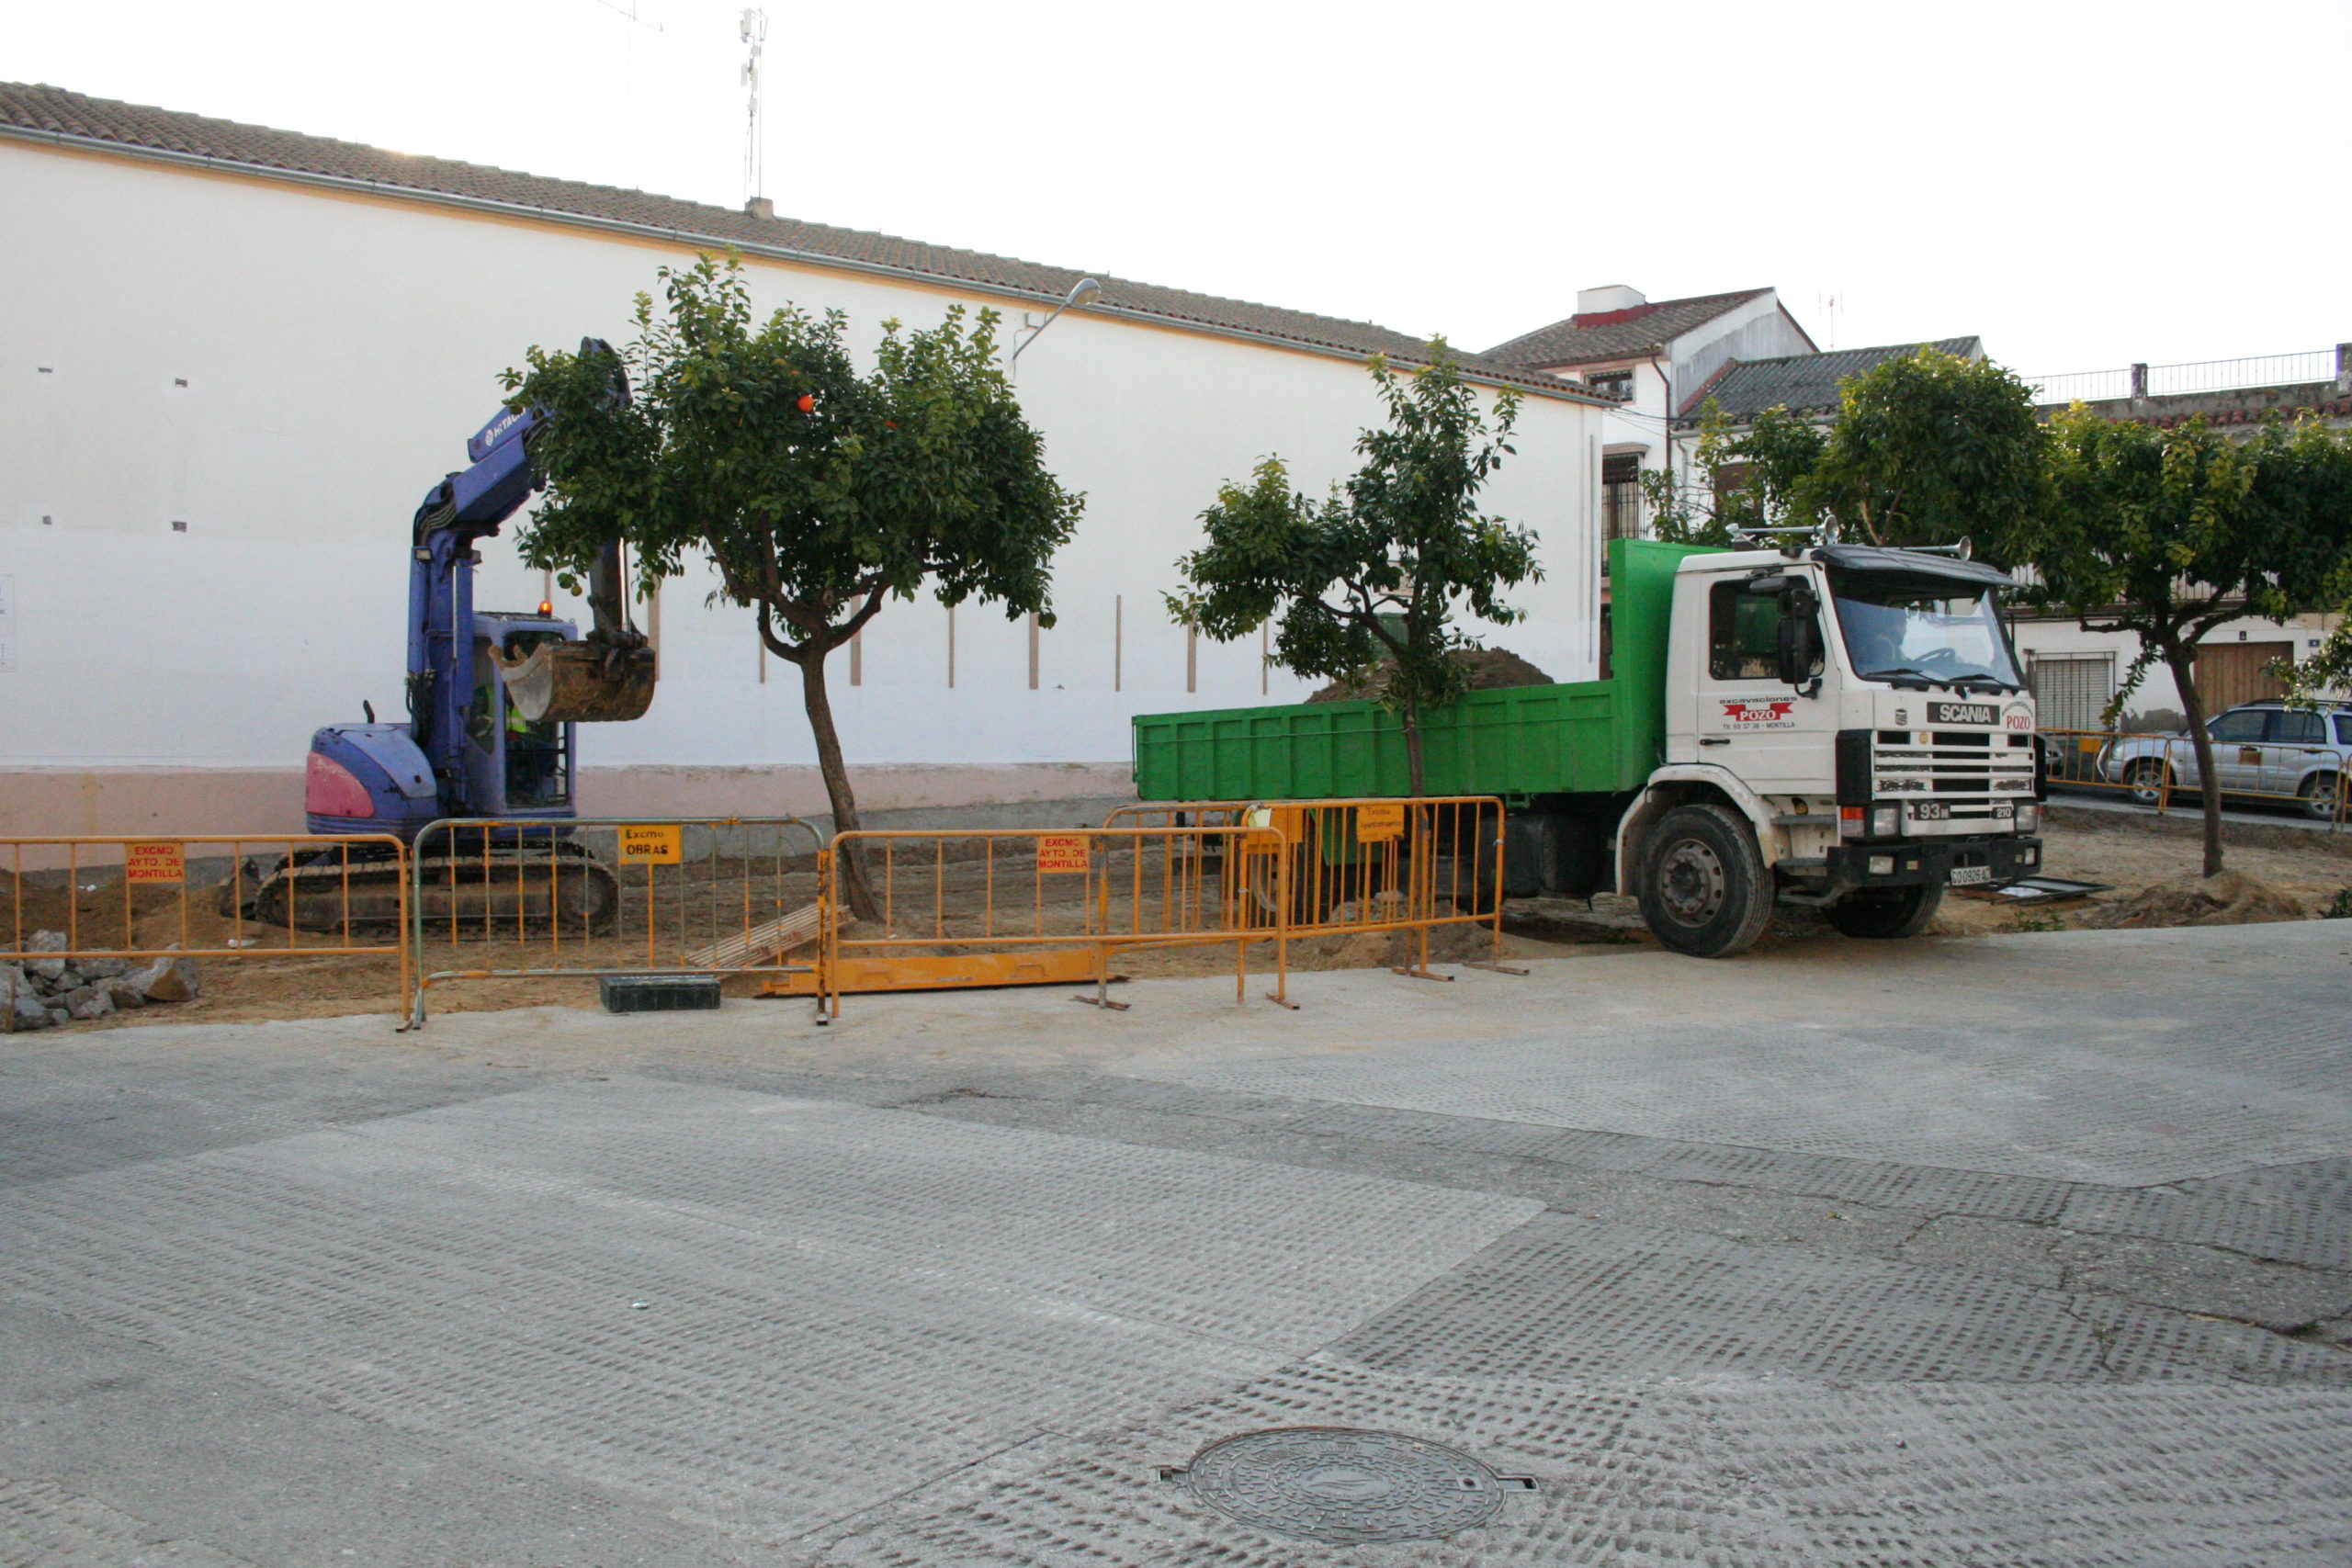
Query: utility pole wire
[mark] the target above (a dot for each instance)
(629, 11)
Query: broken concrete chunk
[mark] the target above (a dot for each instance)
(24, 1011)
(93, 1003)
(125, 992)
(73, 997)
(101, 968)
(170, 978)
(47, 941)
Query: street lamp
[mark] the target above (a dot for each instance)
(1084, 291)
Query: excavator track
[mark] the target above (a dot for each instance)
(525, 888)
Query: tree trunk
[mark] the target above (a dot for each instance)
(1410, 720)
(843, 801)
(2182, 662)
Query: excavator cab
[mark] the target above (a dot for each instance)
(517, 764)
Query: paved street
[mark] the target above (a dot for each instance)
(2030, 1250)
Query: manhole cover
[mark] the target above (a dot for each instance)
(1344, 1485)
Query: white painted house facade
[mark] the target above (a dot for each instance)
(1648, 358)
(232, 361)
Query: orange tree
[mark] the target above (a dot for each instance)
(2168, 532)
(816, 493)
(1372, 574)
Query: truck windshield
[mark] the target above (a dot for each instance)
(1920, 628)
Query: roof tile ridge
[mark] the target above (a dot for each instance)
(170, 132)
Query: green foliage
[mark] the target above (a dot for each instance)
(2309, 471)
(1927, 448)
(1675, 513)
(2169, 533)
(1930, 448)
(2327, 669)
(1375, 572)
(815, 492)
(923, 472)
(1773, 460)
(2340, 906)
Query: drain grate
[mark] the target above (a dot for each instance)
(1345, 1486)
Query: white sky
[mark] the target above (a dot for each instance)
(2082, 185)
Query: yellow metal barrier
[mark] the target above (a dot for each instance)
(509, 898)
(137, 898)
(1359, 866)
(2154, 769)
(1028, 907)
(1008, 907)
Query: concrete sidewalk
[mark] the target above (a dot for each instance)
(2022, 1249)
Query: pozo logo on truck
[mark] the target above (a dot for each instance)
(1759, 716)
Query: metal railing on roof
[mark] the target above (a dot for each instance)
(2202, 376)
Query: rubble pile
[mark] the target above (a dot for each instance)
(2226, 898)
(41, 993)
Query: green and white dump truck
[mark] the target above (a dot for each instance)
(1836, 726)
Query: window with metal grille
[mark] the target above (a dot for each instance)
(1621, 496)
(2070, 693)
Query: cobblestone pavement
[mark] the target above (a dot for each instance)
(2030, 1250)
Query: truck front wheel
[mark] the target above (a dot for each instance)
(1887, 912)
(1703, 887)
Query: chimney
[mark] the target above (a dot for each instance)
(1606, 298)
(760, 207)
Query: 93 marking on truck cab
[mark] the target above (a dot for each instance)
(1773, 714)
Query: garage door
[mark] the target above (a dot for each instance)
(2070, 693)
(2229, 674)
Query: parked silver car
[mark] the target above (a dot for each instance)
(2263, 748)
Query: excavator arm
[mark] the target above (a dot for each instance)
(609, 675)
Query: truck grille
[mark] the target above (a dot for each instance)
(1953, 762)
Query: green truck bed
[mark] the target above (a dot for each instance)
(1585, 737)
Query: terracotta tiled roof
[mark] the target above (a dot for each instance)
(1617, 335)
(45, 113)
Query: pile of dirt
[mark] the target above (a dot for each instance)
(2230, 899)
(1489, 668)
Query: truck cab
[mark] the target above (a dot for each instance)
(1846, 727)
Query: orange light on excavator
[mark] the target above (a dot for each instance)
(546, 606)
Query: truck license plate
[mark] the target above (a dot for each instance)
(1964, 874)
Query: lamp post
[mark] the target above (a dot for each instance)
(1083, 291)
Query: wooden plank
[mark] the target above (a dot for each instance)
(759, 945)
(923, 972)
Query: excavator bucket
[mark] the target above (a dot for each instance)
(579, 683)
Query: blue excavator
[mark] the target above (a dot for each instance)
(493, 699)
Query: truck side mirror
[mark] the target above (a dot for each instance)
(1799, 643)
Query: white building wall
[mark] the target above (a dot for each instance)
(1640, 422)
(2157, 691)
(287, 372)
(1759, 329)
